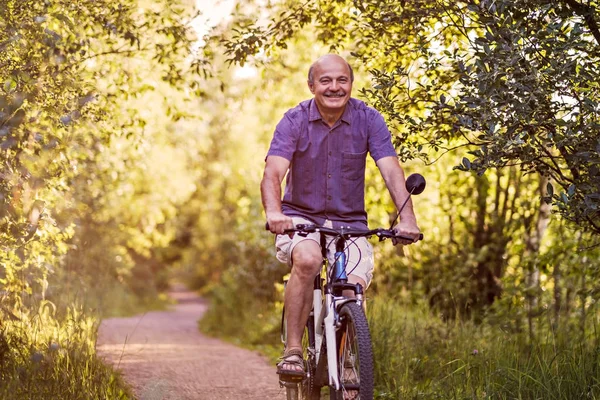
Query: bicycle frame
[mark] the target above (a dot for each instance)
(326, 325)
(325, 310)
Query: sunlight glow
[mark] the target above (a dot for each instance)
(212, 13)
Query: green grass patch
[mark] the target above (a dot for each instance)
(42, 357)
(419, 356)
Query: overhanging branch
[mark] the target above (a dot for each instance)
(587, 12)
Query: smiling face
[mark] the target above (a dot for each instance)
(331, 84)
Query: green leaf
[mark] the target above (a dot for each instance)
(561, 122)
(467, 163)
(10, 85)
(550, 189)
(64, 19)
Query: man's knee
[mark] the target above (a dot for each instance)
(306, 258)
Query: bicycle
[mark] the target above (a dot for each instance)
(337, 341)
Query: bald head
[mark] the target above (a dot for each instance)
(330, 81)
(324, 59)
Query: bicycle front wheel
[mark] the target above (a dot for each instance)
(354, 355)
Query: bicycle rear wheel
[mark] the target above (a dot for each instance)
(355, 355)
(291, 391)
(308, 388)
(305, 389)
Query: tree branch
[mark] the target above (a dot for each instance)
(587, 12)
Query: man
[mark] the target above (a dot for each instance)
(323, 142)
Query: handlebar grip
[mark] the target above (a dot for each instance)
(407, 238)
(285, 231)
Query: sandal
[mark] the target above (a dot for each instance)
(291, 357)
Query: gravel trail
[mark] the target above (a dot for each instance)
(163, 356)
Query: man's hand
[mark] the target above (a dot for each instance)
(278, 222)
(407, 229)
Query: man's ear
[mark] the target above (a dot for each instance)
(311, 87)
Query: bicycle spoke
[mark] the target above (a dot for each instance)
(349, 369)
(355, 356)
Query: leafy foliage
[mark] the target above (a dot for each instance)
(513, 81)
(72, 151)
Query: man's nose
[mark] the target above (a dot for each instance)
(334, 84)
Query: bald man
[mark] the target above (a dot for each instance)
(322, 145)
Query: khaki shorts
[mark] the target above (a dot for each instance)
(359, 253)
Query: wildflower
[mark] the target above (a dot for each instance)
(475, 352)
(54, 346)
(37, 357)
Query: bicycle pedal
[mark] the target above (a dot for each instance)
(294, 379)
(289, 384)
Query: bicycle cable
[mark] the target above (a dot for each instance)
(347, 261)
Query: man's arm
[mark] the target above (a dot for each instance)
(393, 175)
(270, 189)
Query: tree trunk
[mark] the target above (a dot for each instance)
(556, 276)
(532, 248)
(583, 319)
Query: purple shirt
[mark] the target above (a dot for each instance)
(326, 179)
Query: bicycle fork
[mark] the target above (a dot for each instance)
(324, 320)
(330, 338)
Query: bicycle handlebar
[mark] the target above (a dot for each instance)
(381, 233)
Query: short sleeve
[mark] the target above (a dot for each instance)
(284, 139)
(380, 138)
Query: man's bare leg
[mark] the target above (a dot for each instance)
(306, 262)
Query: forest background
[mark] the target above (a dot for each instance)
(132, 146)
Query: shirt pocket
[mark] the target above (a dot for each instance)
(353, 166)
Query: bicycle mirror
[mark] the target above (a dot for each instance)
(415, 184)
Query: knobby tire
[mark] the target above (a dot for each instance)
(355, 355)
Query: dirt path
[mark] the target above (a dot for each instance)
(163, 356)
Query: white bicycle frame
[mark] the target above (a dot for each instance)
(326, 321)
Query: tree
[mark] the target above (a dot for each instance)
(515, 83)
(67, 70)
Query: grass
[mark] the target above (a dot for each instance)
(42, 357)
(421, 357)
